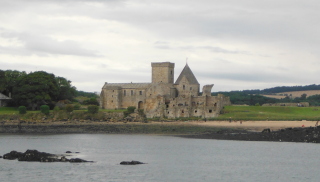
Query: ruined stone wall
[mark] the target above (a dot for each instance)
(301, 104)
(206, 90)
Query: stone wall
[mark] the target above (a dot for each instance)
(301, 104)
(162, 72)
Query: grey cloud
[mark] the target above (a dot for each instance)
(44, 45)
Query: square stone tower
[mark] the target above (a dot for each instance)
(162, 72)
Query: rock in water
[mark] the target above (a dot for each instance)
(12, 155)
(131, 162)
(35, 155)
(78, 160)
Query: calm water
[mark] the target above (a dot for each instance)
(169, 159)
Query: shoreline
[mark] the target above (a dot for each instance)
(284, 131)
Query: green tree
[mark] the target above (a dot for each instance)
(11, 78)
(36, 89)
(66, 90)
(3, 83)
(91, 101)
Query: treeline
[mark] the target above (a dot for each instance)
(282, 89)
(242, 98)
(252, 97)
(37, 88)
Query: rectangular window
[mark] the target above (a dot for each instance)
(140, 92)
(131, 92)
(124, 93)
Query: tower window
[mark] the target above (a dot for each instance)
(131, 92)
(124, 93)
(184, 87)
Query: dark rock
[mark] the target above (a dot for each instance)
(68, 152)
(77, 160)
(12, 155)
(266, 130)
(131, 162)
(0, 156)
(34, 155)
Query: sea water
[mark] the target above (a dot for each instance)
(168, 158)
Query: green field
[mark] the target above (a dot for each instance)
(245, 113)
(259, 113)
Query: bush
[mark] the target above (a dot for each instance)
(56, 109)
(22, 110)
(91, 101)
(77, 107)
(45, 109)
(93, 109)
(129, 110)
(69, 108)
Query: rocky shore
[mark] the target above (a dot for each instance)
(299, 134)
(183, 129)
(103, 127)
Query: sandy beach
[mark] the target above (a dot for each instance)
(257, 125)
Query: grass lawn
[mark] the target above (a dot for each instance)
(14, 110)
(260, 113)
(248, 113)
(8, 110)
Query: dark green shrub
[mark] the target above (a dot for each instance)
(56, 109)
(69, 108)
(93, 109)
(45, 109)
(129, 110)
(91, 101)
(77, 107)
(22, 110)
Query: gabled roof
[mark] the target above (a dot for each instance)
(188, 74)
(3, 97)
(127, 85)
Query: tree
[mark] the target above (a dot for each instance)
(11, 78)
(35, 89)
(303, 97)
(2, 81)
(66, 90)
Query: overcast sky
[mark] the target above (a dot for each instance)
(233, 44)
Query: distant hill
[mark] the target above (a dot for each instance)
(293, 94)
(296, 94)
(282, 89)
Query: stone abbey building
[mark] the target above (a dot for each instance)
(163, 97)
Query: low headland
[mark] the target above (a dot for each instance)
(224, 127)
